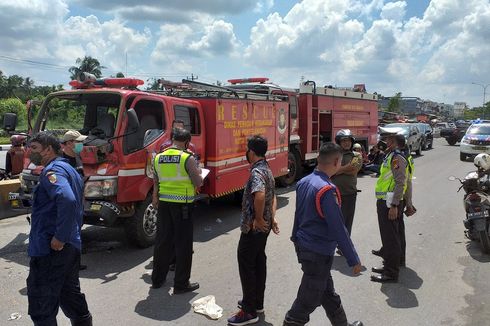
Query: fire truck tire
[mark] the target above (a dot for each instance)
(295, 170)
(141, 228)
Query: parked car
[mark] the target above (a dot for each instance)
(428, 135)
(455, 132)
(475, 141)
(413, 136)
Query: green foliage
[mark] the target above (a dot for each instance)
(394, 104)
(14, 105)
(477, 113)
(87, 64)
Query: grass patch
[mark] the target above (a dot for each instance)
(4, 140)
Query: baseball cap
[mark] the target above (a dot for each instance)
(73, 135)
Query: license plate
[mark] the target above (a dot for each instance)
(478, 214)
(480, 148)
(95, 207)
(13, 196)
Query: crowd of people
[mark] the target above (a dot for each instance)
(323, 221)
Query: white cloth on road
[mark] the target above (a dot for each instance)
(207, 306)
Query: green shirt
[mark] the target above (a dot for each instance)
(346, 183)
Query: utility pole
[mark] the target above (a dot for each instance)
(193, 77)
(484, 97)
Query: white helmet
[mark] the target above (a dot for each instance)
(482, 161)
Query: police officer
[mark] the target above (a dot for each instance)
(318, 229)
(407, 205)
(390, 189)
(176, 178)
(346, 177)
(54, 240)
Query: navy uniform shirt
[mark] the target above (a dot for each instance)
(57, 209)
(318, 222)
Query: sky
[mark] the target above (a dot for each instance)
(434, 49)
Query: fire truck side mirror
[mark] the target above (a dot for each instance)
(9, 121)
(133, 122)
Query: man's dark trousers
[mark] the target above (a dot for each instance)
(316, 288)
(53, 283)
(252, 265)
(390, 239)
(174, 237)
(348, 208)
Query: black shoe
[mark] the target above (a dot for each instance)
(339, 252)
(157, 285)
(290, 322)
(171, 267)
(82, 267)
(383, 278)
(403, 263)
(378, 270)
(189, 288)
(356, 323)
(376, 253)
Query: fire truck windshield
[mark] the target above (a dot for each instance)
(91, 114)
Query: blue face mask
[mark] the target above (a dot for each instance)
(78, 148)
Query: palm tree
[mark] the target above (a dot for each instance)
(87, 64)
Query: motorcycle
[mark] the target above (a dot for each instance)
(476, 202)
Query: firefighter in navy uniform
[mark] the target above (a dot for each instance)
(176, 178)
(54, 240)
(390, 190)
(318, 229)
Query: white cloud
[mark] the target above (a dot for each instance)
(394, 11)
(447, 47)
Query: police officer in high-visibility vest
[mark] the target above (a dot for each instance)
(390, 189)
(177, 176)
(408, 207)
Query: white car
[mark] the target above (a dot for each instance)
(475, 141)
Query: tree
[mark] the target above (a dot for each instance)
(394, 104)
(87, 64)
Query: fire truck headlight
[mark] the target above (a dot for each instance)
(101, 188)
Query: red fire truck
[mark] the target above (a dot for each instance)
(126, 126)
(316, 114)
(125, 129)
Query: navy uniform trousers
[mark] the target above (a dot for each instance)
(53, 283)
(316, 288)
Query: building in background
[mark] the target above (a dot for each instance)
(458, 109)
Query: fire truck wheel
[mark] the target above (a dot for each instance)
(141, 229)
(295, 169)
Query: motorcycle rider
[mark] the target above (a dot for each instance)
(15, 156)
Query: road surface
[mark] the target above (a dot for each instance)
(445, 281)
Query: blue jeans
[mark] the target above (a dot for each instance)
(316, 287)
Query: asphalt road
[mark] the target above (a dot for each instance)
(444, 283)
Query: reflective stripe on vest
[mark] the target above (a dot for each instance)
(318, 199)
(174, 183)
(386, 182)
